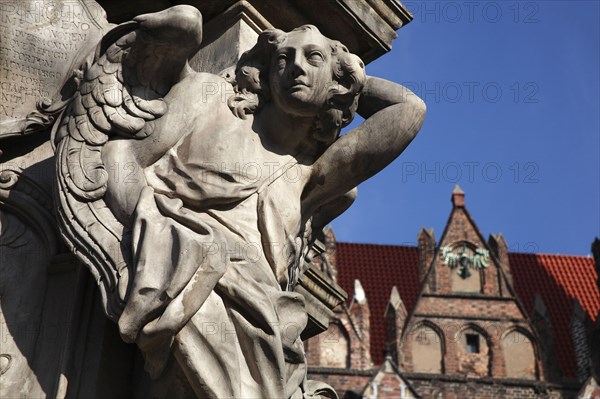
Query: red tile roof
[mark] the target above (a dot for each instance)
(379, 268)
(558, 278)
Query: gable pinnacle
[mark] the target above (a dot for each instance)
(458, 197)
(395, 298)
(359, 293)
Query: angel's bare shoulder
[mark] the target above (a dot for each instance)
(200, 96)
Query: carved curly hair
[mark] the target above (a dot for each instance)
(251, 83)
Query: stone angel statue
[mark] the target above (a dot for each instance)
(193, 210)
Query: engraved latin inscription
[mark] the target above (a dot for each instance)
(42, 41)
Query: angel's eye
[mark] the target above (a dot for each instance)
(281, 60)
(315, 57)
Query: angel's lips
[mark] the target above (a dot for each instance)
(297, 85)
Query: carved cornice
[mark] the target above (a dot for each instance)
(321, 286)
(366, 27)
(246, 12)
(321, 295)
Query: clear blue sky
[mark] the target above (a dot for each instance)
(512, 90)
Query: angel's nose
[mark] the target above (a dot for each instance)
(298, 67)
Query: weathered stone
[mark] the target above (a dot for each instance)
(233, 175)
(42, 41)
(366, 27)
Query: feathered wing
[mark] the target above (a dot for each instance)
(120, 89)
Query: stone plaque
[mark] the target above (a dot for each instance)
(42, 41)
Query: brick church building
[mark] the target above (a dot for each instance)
(459, 318)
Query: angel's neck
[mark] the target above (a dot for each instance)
(287, 133)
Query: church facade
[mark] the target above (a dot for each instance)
(461, 317)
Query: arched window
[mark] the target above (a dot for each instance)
(335, 347)
(519, 356)
(427, 352)
(474, 356)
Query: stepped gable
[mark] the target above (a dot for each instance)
(467, 320)
(558, 278)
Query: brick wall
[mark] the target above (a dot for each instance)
(444, 388)
(452, 334)
(350, 329)
(469, 307)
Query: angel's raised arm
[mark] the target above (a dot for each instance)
(393, 116)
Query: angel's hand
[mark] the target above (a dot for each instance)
(380, 93)
(393, 115)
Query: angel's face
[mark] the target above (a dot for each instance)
(300, 73)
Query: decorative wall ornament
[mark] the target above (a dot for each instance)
(462, 257)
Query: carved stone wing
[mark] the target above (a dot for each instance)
(120, 89)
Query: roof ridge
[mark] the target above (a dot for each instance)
(370, 244)
(377, 245)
